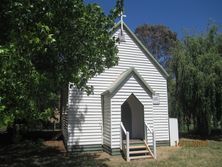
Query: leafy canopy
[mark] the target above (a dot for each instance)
(44, 45)
(159, 40)
(197, 66)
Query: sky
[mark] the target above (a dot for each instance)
(181, 16)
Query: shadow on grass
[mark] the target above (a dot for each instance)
(216, 135)
(35, 154)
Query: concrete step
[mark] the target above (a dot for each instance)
(140, 157)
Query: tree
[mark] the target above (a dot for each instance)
(47, 44)
(158, 39)
(197, 66)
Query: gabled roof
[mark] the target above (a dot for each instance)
(142, 47)
(126, 75)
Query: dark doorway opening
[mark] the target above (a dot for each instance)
(132, 117)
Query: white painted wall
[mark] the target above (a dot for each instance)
(85, 113)
(131, 86)
(107, 122)
(174, 136)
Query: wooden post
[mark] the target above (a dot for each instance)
(127, 147)
(145, 129)
(121, 138)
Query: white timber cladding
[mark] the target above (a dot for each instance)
(131, 86)
(85, 118)
(107, 121)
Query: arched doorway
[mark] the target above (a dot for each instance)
(132, 117)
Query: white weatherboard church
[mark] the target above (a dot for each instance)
(128, 110)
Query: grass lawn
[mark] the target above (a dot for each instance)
(44, 154)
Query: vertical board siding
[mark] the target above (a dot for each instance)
(131, 86)
(85, 112)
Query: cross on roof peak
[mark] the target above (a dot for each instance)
(121, 20)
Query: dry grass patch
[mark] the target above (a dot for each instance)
(193, 143)
(192, 153)
(38, 154)
(163, 154)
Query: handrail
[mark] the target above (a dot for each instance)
(154, 140)
(122, 126)
(148, 127)
(125, 150)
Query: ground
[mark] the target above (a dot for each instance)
(52, 153)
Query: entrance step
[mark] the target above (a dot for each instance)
(134, 142)
(139, 152)
(137, 147)
(140, 157)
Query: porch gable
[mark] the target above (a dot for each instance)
(124, 77)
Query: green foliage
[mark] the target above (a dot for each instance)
(117, 10)
(197, 66)
(6, 118)
(46, 44)
(21, 89)
(55, 34)
(159, 40)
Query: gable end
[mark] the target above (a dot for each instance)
(126, 75)
(143, 48)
